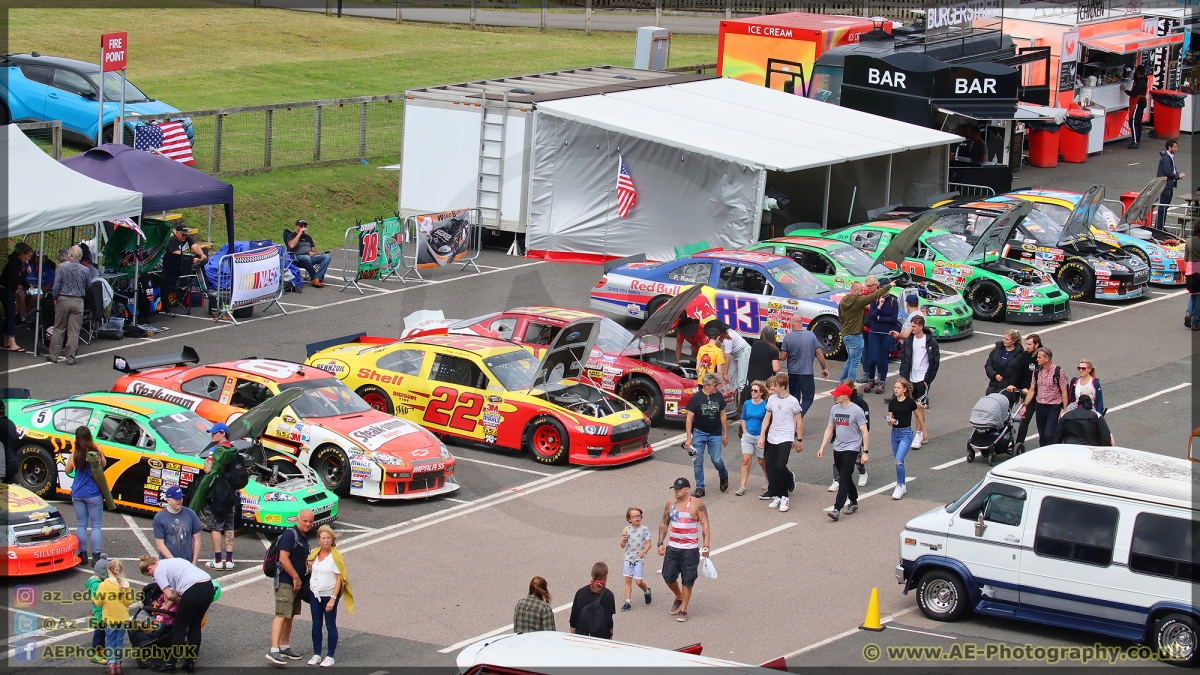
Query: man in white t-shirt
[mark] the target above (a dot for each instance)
(911, 310)
(919, 361)
(784, 424)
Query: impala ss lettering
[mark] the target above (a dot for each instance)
(425, 468)
(653, 287)
(143, 389)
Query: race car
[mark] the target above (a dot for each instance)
(152, 445)
(39, 540)
(354, 449)
(753, 289)
(995, 287)
(839, 264)
(1161, 251)
(1084, 267)
(495, 392)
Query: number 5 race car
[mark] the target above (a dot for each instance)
(151, 446)
(495, 392)
(354, 449)
(38, 538)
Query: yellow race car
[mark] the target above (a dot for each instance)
(495, 392)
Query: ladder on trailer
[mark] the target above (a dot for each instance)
(493, 118)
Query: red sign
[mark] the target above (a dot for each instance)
(113, 51)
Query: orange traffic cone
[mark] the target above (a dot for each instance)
(872, 620)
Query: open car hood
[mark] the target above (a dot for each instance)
(661, 321)
(254, 422)
(1079, 223)
(566, 354)
(1000, 231)
(897, 249)
(1140, 206)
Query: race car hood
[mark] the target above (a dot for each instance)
(566, 354)
(661, 321)
(1079, 223)
(20, 506)
(897, 249)
(254, 422)
(1000, 231)
(380, 432)
(1140, 206)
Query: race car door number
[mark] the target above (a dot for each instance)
(450, 408)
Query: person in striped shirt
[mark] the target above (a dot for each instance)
(684, 522)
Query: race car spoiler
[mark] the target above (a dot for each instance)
(357, 338)
(183, 358)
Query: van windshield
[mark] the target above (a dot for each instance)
(957, 503)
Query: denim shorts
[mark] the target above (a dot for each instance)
(750, 446)
(637, 570)
(683, 562)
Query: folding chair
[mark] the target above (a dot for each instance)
(179, 279)
(93, 312)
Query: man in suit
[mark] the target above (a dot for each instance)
(1166, 167)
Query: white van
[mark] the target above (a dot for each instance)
(1090, 538)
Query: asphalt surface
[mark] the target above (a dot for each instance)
(432, 576)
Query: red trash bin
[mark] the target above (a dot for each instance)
(1073, 138)
(1168, 109)
(1127, 199)
(1043, 144)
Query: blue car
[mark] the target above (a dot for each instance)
(40, 88)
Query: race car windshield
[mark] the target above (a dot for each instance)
(949, 245)
(185, 432)
(1043, 228)
(514, 369)
(1104, 219)
(796, 281)
(326, 397)
(613, 337)
(855, 261)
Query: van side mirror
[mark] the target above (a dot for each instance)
(980, 526)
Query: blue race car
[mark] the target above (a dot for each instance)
(39, 88)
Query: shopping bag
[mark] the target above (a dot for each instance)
(708, 569)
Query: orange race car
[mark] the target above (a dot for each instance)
(355, 449)
(38, 538)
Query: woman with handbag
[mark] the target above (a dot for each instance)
(328, 585)
(1192, 275)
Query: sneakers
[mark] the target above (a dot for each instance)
(774, 503)
(54, 359)
(681, 617)
(215, 565)
(624, 608)
(1187, 320)
(327, 662)
(783, 504)
(648, 597)
(740, 491)
(862, 479)
(70, 360)
(699, 492)
(229, 565)
(851, 509)
(918, 438)
(764, 497)
(834, 515)
(899, 492)
(861, 378)
(315, 660)
(879, 387)
(725, 483)
(276, 658)
(833, 487)
(675, 606)
(870, 385)
(287, 651)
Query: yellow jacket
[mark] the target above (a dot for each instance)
(340, 562)
(113, 602)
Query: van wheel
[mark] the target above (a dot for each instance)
(36, 470)
(333, 467)
(942, 596)
(1175, 637)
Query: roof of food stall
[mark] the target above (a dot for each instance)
(526, 89)
(743, 122)
(805, 20)
(1130, 41)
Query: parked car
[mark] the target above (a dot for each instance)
(1099, 539)
(39, 88)
(39, 540)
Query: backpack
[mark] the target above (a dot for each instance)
(238, 473)
(592, 620)
(224, 490)
(270, 565)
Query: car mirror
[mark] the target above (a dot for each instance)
(980, 526)
(89, 95)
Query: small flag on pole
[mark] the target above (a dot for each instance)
(168, 138)
(626, 194)
(127, 223)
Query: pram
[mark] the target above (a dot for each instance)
(151, 626)
(995, 418)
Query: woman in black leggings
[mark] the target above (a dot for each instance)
(192, 589)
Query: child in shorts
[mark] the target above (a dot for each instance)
(636, 542)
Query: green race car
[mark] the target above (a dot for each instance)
(839, 264)
(996, 288)
(152, 445)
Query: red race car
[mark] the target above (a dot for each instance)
(636, 368)
(355, 449)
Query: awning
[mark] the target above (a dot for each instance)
(994, 112)
(1131, 41)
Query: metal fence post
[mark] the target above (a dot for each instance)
(399, 13)
(587, 18)
(317, 134)
(362, 132)
(328, 7)
(472, 14)
(657, 12)
(545, 10)
(728, 9)
(56, 140)
(217, 143)
(267, 141)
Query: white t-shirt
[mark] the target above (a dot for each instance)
(920, 360)
(909, 318)
(783, 423)
(323, 573)
(736, 344)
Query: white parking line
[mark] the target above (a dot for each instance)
(878, 490)
(1146, 398)
(848, 633)
(141, 537)
(949, 464)
(460, 458)
(456, 501)
(999, 335)
(922, 632)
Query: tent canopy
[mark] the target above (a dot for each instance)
(164, 183)
(43, 195)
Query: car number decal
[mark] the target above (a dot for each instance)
(450, 408)
(739, 313)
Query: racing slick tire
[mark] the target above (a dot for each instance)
(645, 395)
(377, 398)
(36, 470)
(829, 333)
(1077, 280)
(987, 301)
(1133, 250)
(655, 304)
(333, 467)
(942, 596)
(547, 440)
(1174, 639)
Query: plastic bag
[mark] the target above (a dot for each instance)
(1169, 99)
(1079, 124)
(707, 568)
(1043, 125)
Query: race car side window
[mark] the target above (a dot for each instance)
(691, 273)
(117, 429)
(406, 361)
(866, 240)
(744, 279)
(540, 334)
(208, 386)
(247, 394)
(504, 328)
(457, 370)
(67, 420)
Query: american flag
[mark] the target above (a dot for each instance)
(626, 194)
(169, 138)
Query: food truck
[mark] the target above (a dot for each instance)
(1177, 67)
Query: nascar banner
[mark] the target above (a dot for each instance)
(442, 238)
(392, 235)
(256, 276)
(369, 253)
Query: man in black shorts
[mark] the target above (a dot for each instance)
(221, 505)
(684, 523)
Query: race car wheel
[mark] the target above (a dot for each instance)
(1139, 253)
(1076, 280)
(377, 398)
(987, 301)
(547, 441)
(1175, 639)
(829, 332)
(36, 470)
(332, 465)
(942, 596)
(645, 395)
(655, 304)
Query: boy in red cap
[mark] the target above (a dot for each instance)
(848, 430)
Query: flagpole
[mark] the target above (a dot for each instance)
(119, 127)
(100, 100)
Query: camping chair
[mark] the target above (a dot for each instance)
(93, 312)
(179, 279)
(291, 257)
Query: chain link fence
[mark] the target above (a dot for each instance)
(307, 133)
(892, 9)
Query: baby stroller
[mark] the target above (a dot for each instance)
(995, 418)
(151, 626)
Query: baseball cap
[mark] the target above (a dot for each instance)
(302, 222)
(841, 390)
(174, 492)
(681, 483)
(219, 428)
(181, 227)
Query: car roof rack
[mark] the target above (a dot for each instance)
(183, 358)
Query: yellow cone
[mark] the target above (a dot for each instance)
(872, 620)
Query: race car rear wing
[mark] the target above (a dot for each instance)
(183, 358)
(357, 338)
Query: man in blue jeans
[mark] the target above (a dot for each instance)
(850, 312)
(303, 248)
(799, 348)
(708, 426)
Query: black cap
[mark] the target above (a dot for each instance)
(301, 222)
(181, 227)
(681, 484)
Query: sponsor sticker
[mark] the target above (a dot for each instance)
(140, 388)
(374, 436)
(425, 468)
(339, 368)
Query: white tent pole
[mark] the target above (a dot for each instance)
(37, 312)
(887, 185)
(210, 212)
(825, 210)
(850, 214)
